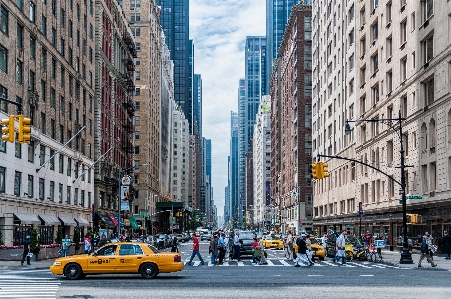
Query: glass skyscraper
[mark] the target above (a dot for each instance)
(232, 206)
(175, 23)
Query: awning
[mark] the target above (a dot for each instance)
(82, 222)
(68, 221)
(50, 219)
(115, 218)
(106, 219)
(28, 218)
(133, 223)
(112, 219)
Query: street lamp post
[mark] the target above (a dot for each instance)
(406, 256)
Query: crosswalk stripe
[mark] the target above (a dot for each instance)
(19, 287)
(285, 263)
(240, 263)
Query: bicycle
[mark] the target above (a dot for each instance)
(376, 256)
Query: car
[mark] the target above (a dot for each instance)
(119, 258)
(272, 242)
(318, 249)
(205, 237)
(246, 240)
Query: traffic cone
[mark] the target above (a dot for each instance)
(371, 246)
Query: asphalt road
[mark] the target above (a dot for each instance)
(244, 280)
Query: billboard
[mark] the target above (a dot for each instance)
(125, 194)
(268, 193)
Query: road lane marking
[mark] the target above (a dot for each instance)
(315, 275)
(366, 275)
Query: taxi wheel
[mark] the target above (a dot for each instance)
(148, 270)
(73, 271)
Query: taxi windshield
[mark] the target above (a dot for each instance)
(154, 249)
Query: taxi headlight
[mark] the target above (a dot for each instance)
(56, 263)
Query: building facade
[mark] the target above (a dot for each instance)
(261, 147)
(47, 65)
(144, 22)
(233, 168)
(291, 123)
(181, 175)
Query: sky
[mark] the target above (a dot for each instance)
(219, 29)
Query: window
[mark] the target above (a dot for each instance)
(351, 37)
(33, 48)
(19, 72)
(52, 129)
(68, 196)
(428, 90)
(403, 69)
(43, 122)
(427, 46)
(54, 37)
(412, 23)
(18, 150)
(53, 68)
(41, 155)
(403, 31)
(19, 36)
(351, 62)
(3, 59)
(136, 31)
(44, 26)
(91, 31)
(351, 14)
(136, 150)
(52, 191)
(52, 160)
(427, 9)
(388, 12)
(31, 152)
(374, 31)
(4, 18)
(3, 93)
(375, 62)
(137, 76)
(63, 47)
(17, 182)
(389, 81)
(404, 109)
(61, 163)
(19, 4)
(137, 120)
(135, 17)
(2, 179)
(32, 15)
(137, 46)
(362, 46)
(69, 167)
(41, 189)
(362, 16)
(351, 86)
(375, 93)
(30, 186)
(60, 193)
(62, 18)
(389, 46)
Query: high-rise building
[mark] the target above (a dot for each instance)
(291, 123)
(197, 102)
(175, 23)
(181, 167)
(233, 167)
(208, 159)
(277, 15)
(144, 22)
(114, 108)
(262, 163)
(250, 89)
(334, 101)
(47, 64)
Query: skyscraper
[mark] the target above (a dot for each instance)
(250, 90)
(175, 23)
(233, 168)
(197, 102)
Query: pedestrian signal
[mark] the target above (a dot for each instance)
(24, 129)
(8, 129)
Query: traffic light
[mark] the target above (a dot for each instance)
(314, 170)
(324, 170)
(8, 129)
(413, 218)
(24, 129)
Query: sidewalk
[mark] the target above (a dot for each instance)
(393, 257)
(15, 265)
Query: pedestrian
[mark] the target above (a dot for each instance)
(289, 245)
(87, 244)
(237, 246)
(213, 249)
(262, 251)
(302, 252)
(65, 244)
(256, 252)
(26, 250)
(367, 238)
(446, 243)
(174, 245)
(308, 243)
(425, 250)
(221, 248)
(195, 249)
(340, 248)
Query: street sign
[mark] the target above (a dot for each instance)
(415, 196)
(126, 180)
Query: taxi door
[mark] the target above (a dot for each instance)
(103, 260)
(129, 259)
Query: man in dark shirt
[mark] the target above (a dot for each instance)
(26, 250)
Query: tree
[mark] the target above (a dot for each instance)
(77, 238)
(195, 220)
(35, 245)
(59, 234)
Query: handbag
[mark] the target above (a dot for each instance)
(30, 254)
(60, 252)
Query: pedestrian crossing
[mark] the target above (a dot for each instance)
(280, 262)
(15, 286)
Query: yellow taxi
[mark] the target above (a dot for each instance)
(272, 242)
(119, 258)
(317, 248)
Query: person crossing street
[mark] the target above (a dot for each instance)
(195, 251)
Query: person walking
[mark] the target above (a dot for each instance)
(221, 248)
(446, 243)
(213, 249)
(425, 250)
(87, 244)
(26, 250)
(237, 246)
(289, 245)
(340, 248)
(256, 252)
(308, 243)
(302, 252)
(195, 251)
(262, 251)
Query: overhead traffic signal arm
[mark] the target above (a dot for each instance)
(8, 129)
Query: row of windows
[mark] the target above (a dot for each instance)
(45, 191)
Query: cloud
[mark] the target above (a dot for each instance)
(219, 29)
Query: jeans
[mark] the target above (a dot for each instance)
(221, 255)
(65, 252)
(237, 252)
(213, 257)
(196, 252)
(25, 254)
